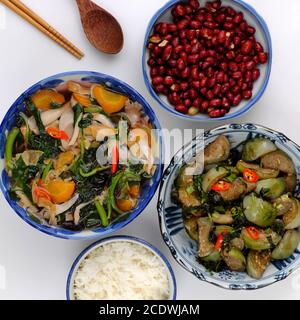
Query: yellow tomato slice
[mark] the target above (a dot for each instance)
(126, 204)
(44, 98)
(60, 191)
(83, 100)
(134, 190)
(64, 159)
(110, 102)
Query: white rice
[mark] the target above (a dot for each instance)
(121, 271)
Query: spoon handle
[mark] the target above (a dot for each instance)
(86, 6)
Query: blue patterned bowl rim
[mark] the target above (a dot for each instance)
(240, 112)
(120, 238)
(283, 272)
(93, 77)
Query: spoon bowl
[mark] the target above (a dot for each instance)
(101, 28)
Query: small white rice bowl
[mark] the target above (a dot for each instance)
(121, 269)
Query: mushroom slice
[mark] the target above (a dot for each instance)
(217, 151)
(104, 120)
(47, 117)
(80, 88)
(60, 208)
(77, 212)
(66, 123)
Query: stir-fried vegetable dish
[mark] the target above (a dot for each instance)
(66, 162)
(241, 209)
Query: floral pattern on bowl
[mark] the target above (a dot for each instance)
(51, 82)
(183, 248)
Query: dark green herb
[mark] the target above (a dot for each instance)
(86, 121)
(89, 188)
(213, 266)
(43, 142)
(77, 109)
(22, 175)
(239, 219)
(55, 105)
(36, 114)
(278, 227)
(89, 216)
(230, 236)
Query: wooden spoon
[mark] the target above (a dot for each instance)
(101, 28)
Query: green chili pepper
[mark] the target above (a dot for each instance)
(27, 133)
(93, 172)
(109, 210)
(102, 213)
(47, 170)
(111, 192)
(93, 110)
(11, 138)
(82, 146)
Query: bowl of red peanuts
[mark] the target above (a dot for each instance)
(207, 60)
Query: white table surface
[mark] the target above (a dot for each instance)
(37, 264)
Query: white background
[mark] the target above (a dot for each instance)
(36, 264)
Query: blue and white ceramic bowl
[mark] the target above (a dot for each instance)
(262, 35)
(183, 249)
(143, 243)
(51, 82)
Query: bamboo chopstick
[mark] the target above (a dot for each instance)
(43, 23)
(27, 14)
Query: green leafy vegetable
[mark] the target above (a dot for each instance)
(77, 109)
(102, 213)
(86, 121)
(11, 138)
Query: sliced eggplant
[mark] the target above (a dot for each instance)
(278, 160)
(258, 211)
(222, 218)
(284, 204)
(223, 230)
(237, 243)
(257, 263)
(215, 256)
(287, 245)
(184, 178)
(262, 173)
(271, 188)
(291, 218)
(212, 176)
(256, 148)
(191, 226)
(217, 151)
(234, 259)
(188, 199)
(237, 189)
(205, 246)
(267, 239)
(291, 182)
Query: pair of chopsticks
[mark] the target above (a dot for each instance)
(23, 11)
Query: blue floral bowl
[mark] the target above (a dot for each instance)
(183, 249)
(143, 243)
(262, 35)
(51, 82)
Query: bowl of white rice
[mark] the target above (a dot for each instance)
(121, 268)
